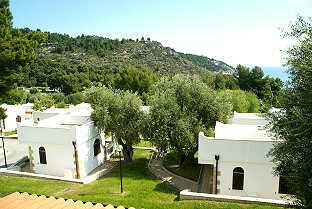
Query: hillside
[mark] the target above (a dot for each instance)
(94, 60)
(107, 53)
(139, 54)
(209, 63)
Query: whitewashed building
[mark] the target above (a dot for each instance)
(64, 142)
(15, 115)
(235, 161)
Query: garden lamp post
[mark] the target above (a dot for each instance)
(120, 169)
(5, 160)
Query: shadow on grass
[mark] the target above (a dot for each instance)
(166, 188)
(137, 169)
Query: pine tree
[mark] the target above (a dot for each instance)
(15, 51)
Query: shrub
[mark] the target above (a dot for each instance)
(75, 98)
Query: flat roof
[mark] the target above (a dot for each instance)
(245, 126)
(242, 132)
(18, 200)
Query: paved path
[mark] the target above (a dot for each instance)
(14, 151)
(179, 182)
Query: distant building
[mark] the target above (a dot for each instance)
(235, 161)
(64, 142)
(15, 115)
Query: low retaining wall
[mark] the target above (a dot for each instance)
(156, 167)
(86, 180)
(5, 171)
(187, 195)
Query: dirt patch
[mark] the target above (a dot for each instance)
(73, 189)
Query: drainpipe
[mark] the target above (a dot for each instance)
(217, 157)
(76, 160)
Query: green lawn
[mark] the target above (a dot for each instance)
(142, 190)
(144, 143)
(8, 133)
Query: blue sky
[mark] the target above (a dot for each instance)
(235, 31)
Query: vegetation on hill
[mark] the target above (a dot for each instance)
(71, 65)
(209, 63)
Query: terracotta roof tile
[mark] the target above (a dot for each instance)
(109, 207)
(24, 200)
(58, 203)
(98, 206)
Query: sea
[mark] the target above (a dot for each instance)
(276, 72)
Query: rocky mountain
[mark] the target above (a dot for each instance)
(107, 54)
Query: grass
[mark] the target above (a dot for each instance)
(190, 171)
(8, 133)
(141, 189)
(144, 143)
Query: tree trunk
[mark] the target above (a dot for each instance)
(181, 159)
(3, 123)
(127, 151)
(185, 160)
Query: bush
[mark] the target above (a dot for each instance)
(58, 97)
(33, 91)
(243, 101)
(61, 105)
(43, 102)
(15, 96)
(254, 102)
(75, 98)
(32, 97)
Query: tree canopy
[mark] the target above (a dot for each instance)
(293, 125)
(181, 107)
(118, 113)
(15, 50)
(266, 88)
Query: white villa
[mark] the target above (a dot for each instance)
(238, 155)
(15, 115)
(64, 142)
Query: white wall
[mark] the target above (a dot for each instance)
(251, 155)
(59, 148)
(258, 180)
(85, 137)
(87, 160)
(250, 151)
(60, 159)
(42, 115)
(12, 111)
(55, 136)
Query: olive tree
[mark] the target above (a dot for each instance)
(292, 155)
(181, 107)
(117, 112)
(242, 101)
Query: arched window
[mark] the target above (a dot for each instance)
(97, 147)
(18, 119)
(238, 178)
(42, 155)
